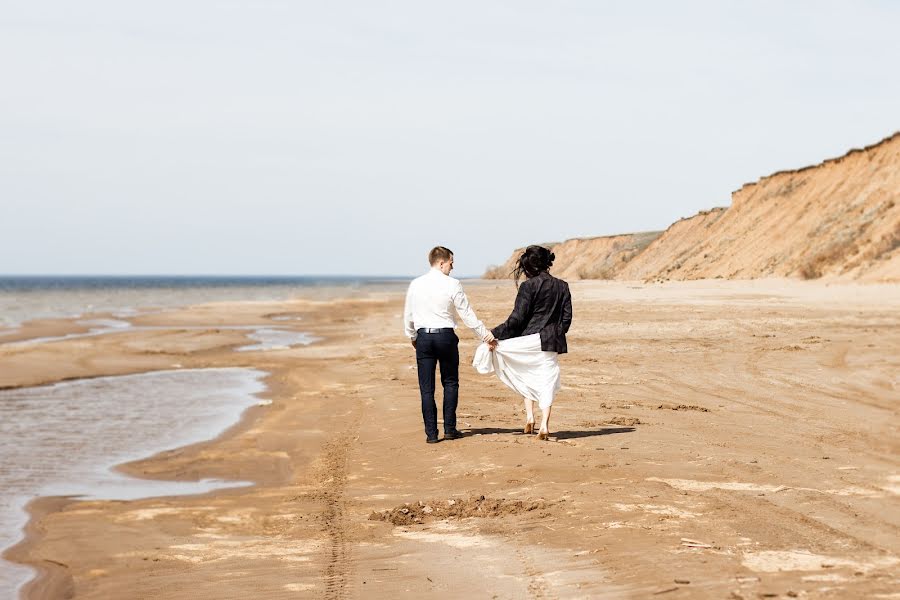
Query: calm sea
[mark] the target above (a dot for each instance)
(65, 439)
(23, 298)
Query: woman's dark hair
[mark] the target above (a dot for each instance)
(534, 261)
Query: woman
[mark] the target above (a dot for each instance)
(534, 335)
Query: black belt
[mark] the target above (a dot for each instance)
(434, 329)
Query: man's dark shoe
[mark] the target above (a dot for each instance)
(432, 440)
(453, 434)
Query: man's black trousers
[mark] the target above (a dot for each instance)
(433, 349)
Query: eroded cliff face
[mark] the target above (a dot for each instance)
(838, 219)
(586, 258)
(665, 255)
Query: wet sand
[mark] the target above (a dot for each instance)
(712, 440)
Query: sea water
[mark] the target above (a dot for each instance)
(64, 439)
(25, 298)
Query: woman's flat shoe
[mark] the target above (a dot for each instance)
(529, 428)
(543, 435)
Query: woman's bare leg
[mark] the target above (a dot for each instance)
(545, 421)
(529, 415)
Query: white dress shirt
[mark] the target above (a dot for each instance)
(430, 301)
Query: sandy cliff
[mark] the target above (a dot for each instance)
(587, 258)
(668, 250)
(840, 218)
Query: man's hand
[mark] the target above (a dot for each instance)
(413, 343)
(490, 340)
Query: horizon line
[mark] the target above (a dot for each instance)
(216, 275)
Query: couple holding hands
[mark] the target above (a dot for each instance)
(523, 350)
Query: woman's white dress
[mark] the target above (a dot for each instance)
(521, 364)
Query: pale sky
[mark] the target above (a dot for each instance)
(290, 137)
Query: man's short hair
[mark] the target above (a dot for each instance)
(439, 253)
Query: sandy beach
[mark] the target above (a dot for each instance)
(713, 439)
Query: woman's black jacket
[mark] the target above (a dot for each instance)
(543, 305)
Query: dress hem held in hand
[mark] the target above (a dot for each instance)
(523, 367)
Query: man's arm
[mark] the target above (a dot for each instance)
(461, 302)
(409, 325)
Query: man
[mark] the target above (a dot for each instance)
(429, 323)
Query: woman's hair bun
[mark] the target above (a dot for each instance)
(533, 261)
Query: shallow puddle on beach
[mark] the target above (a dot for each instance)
(266, 338)
(269, 338)
(64, 439)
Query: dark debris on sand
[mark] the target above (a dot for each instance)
(476, 506)
(682, 407)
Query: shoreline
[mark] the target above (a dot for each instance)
(50, 579)
(341, 439)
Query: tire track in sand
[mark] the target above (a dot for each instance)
(537, 586)
(332, 479)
